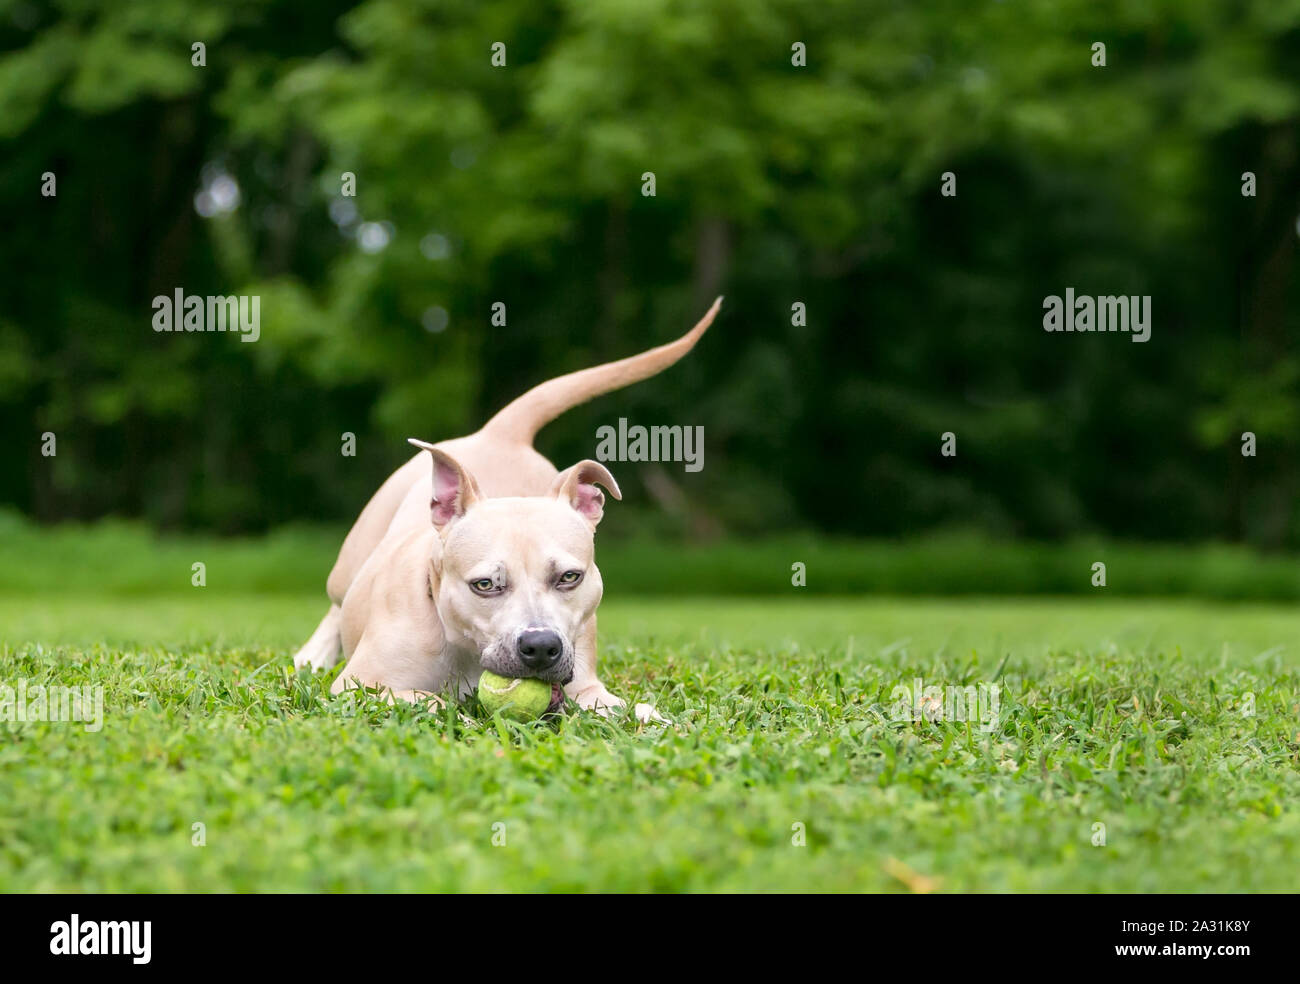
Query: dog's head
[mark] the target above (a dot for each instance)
(516, 578)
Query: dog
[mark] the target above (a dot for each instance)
(477, 554)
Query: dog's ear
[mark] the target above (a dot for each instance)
(454, 489)
(575, 486)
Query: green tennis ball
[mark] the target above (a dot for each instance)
(520, 700)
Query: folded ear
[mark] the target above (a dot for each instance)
(454, 489)
(574, 486)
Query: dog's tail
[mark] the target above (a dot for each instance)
(520, 420)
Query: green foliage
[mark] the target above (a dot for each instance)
(1110, 712)
(127, 560)
(775, 184)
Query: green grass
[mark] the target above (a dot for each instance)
(124, 558)
(1127, 713)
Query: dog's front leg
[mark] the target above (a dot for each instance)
(586, 689)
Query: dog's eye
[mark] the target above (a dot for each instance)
(570, 577)
(484, 585)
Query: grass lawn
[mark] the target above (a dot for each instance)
(1132, 714)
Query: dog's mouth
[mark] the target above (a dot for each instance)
(557, 699)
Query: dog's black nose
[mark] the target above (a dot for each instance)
(539, 648)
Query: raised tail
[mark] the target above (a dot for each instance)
(523, 418)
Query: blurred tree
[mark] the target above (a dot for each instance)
(521, 184)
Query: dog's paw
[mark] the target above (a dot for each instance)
(601, 701)
(433, 703)
(324, 649)
(646, 714)
(597, 698)
(318, 653)
(313, 658)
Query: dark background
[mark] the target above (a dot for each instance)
(776, 184)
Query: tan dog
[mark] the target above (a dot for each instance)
(479, 555)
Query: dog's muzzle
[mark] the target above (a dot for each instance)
(539, 649)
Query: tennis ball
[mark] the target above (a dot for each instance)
(520, 700)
